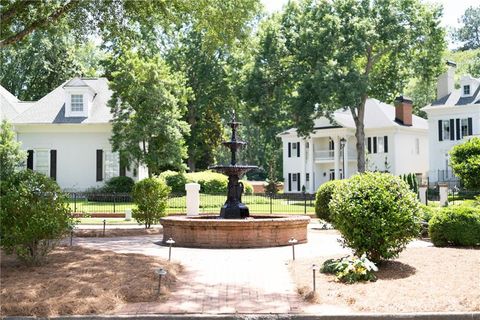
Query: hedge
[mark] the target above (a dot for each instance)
(457, 226)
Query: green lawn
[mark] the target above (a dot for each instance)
(208, 204)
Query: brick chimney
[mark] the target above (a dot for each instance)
(403, 110)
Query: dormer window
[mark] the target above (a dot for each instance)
(466, 90)
(77, 102)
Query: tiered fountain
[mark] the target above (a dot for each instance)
(234, 228)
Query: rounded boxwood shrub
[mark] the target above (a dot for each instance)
(458, 226)
(376, 213)
(247, 187)
(34, 216)
(323, 197)
(150, 195)
(175, 180)
(119, 185)
(210, 182)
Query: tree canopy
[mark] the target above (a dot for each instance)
(148, 102)
(469, 33)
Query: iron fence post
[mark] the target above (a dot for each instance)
(114, 198)
(304, 202)
(74, 202)
(271, 203)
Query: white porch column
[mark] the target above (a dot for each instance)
(345, 158)
(311, 170)
(422, 193)
(193, 199)
(336, 156)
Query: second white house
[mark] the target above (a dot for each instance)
(396, 142)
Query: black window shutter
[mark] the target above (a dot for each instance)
(440, 130)
(298, 149)
(99, 165)
(369, 145)
(374, 144)
(298, 182)
(385, 144)
(53, 164)
(289, 150)
(30, 160)
(470, 126)
(458, 128)
(289, 181)
(452, 129)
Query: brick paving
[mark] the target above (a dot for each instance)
(220, 281)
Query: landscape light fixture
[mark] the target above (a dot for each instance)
(170, 242)
(314, 268)
(343, 142)
(293, 241)
(161, 272)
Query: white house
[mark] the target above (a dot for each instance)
(454, 117)
(67, 132)
(396, 141)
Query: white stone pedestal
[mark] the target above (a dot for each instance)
(193, 199)
(128, 214)
(422, 194)
(443, 188)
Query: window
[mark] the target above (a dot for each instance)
(307, 145)
(294, 178)
(466, 90)
(112, 162)
(307, 177)
(446, 129)
(42, 161)
(464, 127)
(380, 145)
(417, 146)
(77, 102)
(294, 146)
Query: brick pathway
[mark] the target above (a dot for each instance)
(227, 280)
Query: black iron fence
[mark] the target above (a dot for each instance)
(118, 203)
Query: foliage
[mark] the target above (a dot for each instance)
(465, 162)
(175, 180)
(351, 270)
(469, 33)
(119, 184)
(150, 195)
(458, 226)
(323, 197)
(34, 216)
(411, 180)
(376, 214)
(468, 61)
(34, 67)
(147, 103)
(11, 157)
(272, 181)
(342, 52)
(427, 212)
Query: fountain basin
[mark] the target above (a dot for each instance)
(254, 232)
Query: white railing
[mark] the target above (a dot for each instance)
(328, 155)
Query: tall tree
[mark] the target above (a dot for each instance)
(346, 51)
(148, 102)
(206, 74)
(44, 60)
(267, 89)
(469, 33)
(11, 156)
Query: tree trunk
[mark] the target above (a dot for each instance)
(144, 149)
(358, 116)
(192, 121)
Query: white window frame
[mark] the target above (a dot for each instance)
(75, 106)
(36, 153)
(446, 129)
(380, 145)
(466, 90)
(294, 177)
(463, 125)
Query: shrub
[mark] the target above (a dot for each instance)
(34, 216)
(376, 213)
(175, 180)
(465, 161)
(150, 195)
(323, 197)
(119, 184)
(247, 187)
(458, 226)
(11, 157)
(351, 270)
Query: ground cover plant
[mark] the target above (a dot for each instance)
(376, 213)
(351, 269)
(81, 281)
(420, 280)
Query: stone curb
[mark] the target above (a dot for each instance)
(362, 316)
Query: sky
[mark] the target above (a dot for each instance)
(452, 9)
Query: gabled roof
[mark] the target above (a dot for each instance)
(51, 108)
(377, 115)
(455, 97)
